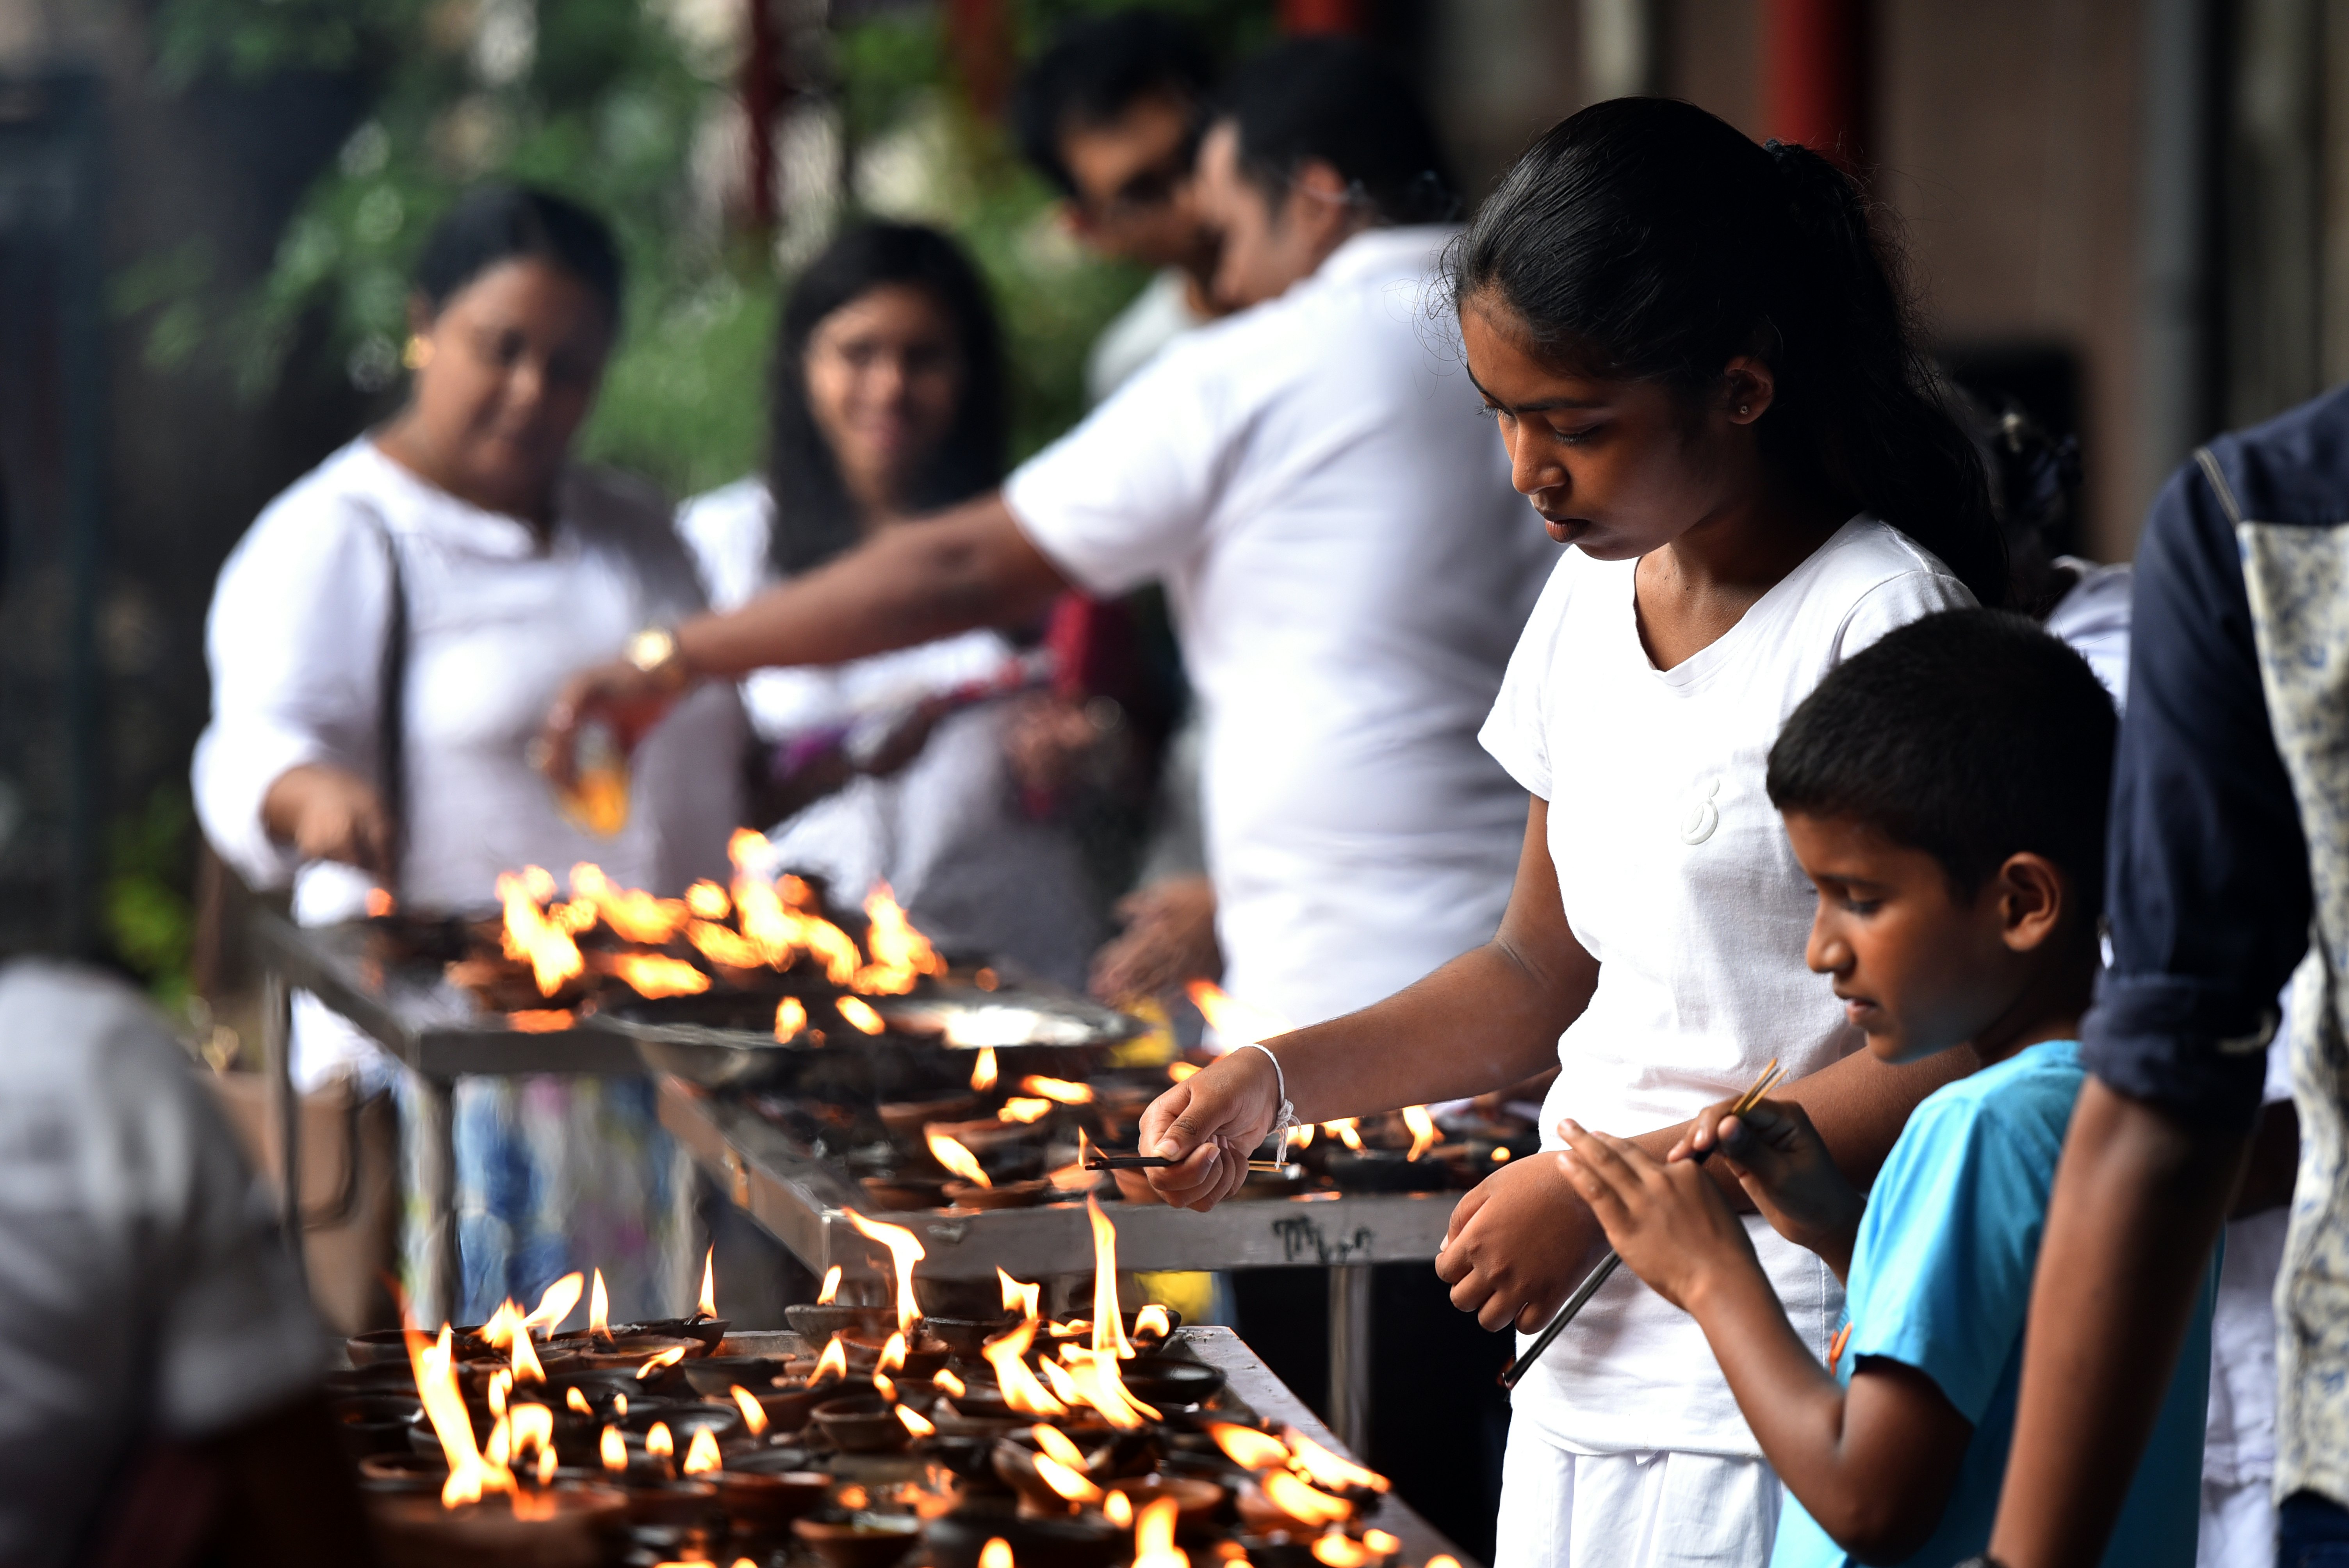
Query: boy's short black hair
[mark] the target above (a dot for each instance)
(1971, 735)
(1339, 101)
(1095, 70)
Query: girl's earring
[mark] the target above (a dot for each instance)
(1742, 408)
(418, 352)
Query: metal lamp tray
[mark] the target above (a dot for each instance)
(723, 1040)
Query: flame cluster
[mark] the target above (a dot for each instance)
(776, 924)
(1303, 1478)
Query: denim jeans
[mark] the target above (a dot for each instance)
(2311, 1532)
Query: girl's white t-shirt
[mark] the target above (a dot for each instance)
(1677, 877)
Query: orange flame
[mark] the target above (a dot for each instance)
(1501, 1155)
(1338, 1550)
(1301, 1502)
(790, 1017)
(1344, 1131)
(1109, 1326)
(636, 915)
(599, 1308)
(1423, 1136)
(1060, 1089)
(556, 1303)
(1153, 1536)
(830, 1286)
(950, 1153)
(701, 1454)
(832, 1363)
(1007, 1353)
(859, 1016)
(469, 1474)
(1330, 1469)
(892, 1355)
(1118, 1509)
(904, 1252)
(1235, 1020)
(379, 903)
(883, 1387)
(982, 1071)
(1177, 1072)
(707, 1306)
(530, 937)
(1017, 1297)
(997, 1553)
(1064, 1480)
(900, 954)
(724, 945)
(500, 1388)
(708, 901)
(651, 974)
(1020, 1108)
(1247, 1448)
(1058, 1443)
(1301, 1135)
(915, 1423)
(578, 1401)
(533, 1428)
(540, 1020)
(613, 1450)
(620, 1405)
(754, 1414)
(1152, 1320)
(653, 1362)
(945, 1379)
(658, 1442)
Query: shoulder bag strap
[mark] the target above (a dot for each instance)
(391, 706)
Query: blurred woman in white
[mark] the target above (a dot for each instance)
(888, 404)
(382, 643)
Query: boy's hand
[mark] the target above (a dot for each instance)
(1667, 1220)
(1780, 1160)
(1518, 1243)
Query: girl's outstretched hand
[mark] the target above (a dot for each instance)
(1780, 1160)
(1209, 1123)
(1667, 1220)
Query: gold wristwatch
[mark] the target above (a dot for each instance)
(654, 651)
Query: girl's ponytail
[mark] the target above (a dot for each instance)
(1645, 238)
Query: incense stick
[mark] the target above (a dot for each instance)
(1102, 1161)
(1607, 1265)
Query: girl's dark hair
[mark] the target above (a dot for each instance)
(1643, 238)
(814, 520)
(492, 224)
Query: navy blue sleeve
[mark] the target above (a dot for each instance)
(2207, 888)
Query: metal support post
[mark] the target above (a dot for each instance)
(441, 1290)
(284, 1102)
(1349, 1357)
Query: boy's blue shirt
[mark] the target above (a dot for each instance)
(1941, 1280)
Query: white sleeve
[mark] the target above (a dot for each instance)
(1896, 601)
(1128, 494)
(296, 644)
(1516, 732)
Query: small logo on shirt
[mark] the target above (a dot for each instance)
(1699, 815)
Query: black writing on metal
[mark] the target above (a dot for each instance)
(1301, 1236)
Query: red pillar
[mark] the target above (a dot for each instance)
(1815, 75)
(979, 34)
(762, 102)
(1298, 17)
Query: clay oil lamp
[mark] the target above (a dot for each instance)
(1371, 1549)
(973, 1188)
(1171, 1385)
(906, 1118)
(372, 1424)
(712, 1376)
(858, 1539)
(492, 1503)
(964, 1538)
(765, 1498)
(906, 1193)
(1357, 1168)
(1195, 1500)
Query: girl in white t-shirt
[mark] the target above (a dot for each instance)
(1701, 368)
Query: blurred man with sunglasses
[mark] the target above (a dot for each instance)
(1111, 114)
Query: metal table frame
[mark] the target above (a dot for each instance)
(437, 1033)
(801, 1202)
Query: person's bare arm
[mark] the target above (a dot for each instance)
(1875, 1464)
(2139, 1200)
(1521, 1239)
(969, 567)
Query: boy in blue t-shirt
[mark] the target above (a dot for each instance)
(1944, 791)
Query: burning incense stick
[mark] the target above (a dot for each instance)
(1605, 1271)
